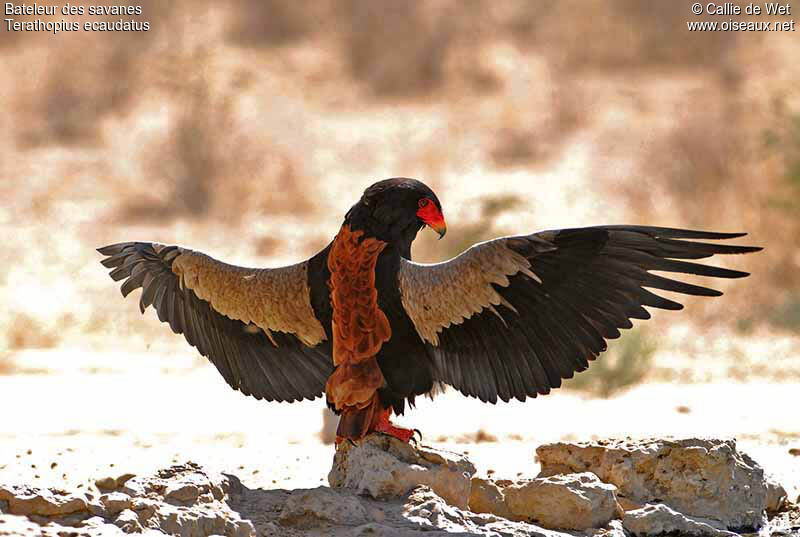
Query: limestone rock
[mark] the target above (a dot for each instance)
(128, 522)
(776, 495)
(199, 521)
(705, 478)
(189, 501)
(115, 502)
(308, 507)
(185, 500)
(487, 496)
(385, 467)
(182, 492)
(572, 501)
(178, 484)
(109, 483)
(660, 519)
(569, 501)
(106, 483)
(71, 520)
(343, 513)
(427, 511)
(180, 500)
(124, 478)
(25, 500)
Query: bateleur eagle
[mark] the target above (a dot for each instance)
(359, 321)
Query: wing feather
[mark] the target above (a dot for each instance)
(254, 325)
(514, 316)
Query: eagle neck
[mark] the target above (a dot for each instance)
(398, 235)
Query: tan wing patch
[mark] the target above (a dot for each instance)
(439, 295)
(276, 300)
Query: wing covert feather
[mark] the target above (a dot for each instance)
(256, 326)
(275, 299)
(436, 296)
(512, 317)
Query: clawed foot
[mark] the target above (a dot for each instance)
(381, 424)
(401, 433)
(398, 432)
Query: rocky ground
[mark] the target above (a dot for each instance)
(69, 439)
(383, 487)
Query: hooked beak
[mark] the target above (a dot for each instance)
(432, 217)
(439, 227)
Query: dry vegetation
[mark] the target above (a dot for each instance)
(627, 363)
(246, 131)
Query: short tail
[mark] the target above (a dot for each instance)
(355, 423)
(352, 390)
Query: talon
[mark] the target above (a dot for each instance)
(417, 431)
(396, 432)
(382, 424)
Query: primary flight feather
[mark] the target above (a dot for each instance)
(362, 323)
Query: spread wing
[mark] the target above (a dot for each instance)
(257, 326)
(513, 316)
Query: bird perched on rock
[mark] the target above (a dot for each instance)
(359, 321)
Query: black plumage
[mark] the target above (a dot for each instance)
(242, 353)
(507, 319)
(592, 283)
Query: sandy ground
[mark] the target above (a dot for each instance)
(72, 428)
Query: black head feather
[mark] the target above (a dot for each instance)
(388, 210)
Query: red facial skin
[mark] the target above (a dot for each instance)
(432, 216)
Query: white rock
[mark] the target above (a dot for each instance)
(115, 502)
(25, 500)
(182, 492)
(487, 496)
(705, 478)
(567, 501)
(776, 495)
(106, 483)
(385, 467)
(659, 519)
(181, 500)
(427, 511)
(128, 522)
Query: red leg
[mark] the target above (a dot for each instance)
(383, 425)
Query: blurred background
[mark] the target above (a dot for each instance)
(246, 129)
